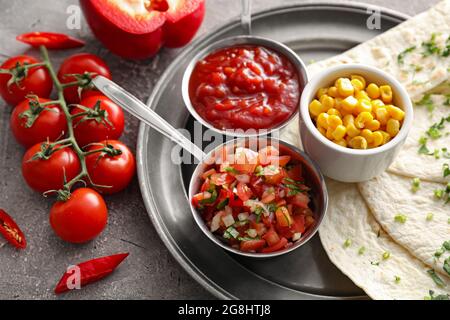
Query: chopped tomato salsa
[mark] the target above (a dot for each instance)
(256, 201)
(245, 87)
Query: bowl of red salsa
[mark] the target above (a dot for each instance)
(244, 86)
(258, 200)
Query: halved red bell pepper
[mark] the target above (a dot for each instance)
(137, 29)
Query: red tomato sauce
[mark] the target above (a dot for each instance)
(245, 87)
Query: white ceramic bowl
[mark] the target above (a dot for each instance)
(346, 164)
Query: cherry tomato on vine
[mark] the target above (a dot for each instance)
(45, 168)
(81, 217)
(80, 64)
(104, 120)
(32, 123)
(113, 167)
(36, 80)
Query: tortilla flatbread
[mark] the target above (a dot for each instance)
(355, 243)
(426, 166)
(427, 219)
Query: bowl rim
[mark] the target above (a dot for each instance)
(277, 46)
(321, 215)
(355, 68)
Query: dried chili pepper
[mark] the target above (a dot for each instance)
(50, 40)
(11, 231)
(90, 271)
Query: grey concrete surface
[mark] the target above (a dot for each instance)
(150, 272)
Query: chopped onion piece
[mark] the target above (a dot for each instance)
(215, 222)
(243, 216)
(252, 233)
(228, 220)
(296, 236)
(244, 178)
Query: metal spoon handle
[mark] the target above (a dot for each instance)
(246, 16)
(138, 109)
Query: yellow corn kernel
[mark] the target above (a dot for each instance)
(377, 138)
(323, 131)
(377, 103)
(327, 102)
(339, 132)
(341, 142)
(362, 95)
(349, 104)
(349, 118)
(393, 127)
(322, 120)
(321, 92)
(360, 78)
(334, 112)
(333, 92)
(315, 107)
(344, 87)
(329, 134)
(373, 91)
(357, 84)
(333, 121)
(386, 93)
(367, 134)
(338, 103)
(363, 106)
(362, 118)
(395, 112)
(352, 131)
(382, 115)
(386, 136)
(358, 142)
(373, 125)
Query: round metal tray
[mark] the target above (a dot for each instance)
(315, 32)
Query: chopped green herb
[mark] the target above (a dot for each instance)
(347, 243)
(212, 198)
(386, 255)
(446, 170)
(438, 297)
(397, 279)
(436, 278)
(401, 218)
(435, 131)
(415, 185)
(272, 207)
(426, 101)
(401, 55)
(436, 154)
(439, 193)
(222, 204)
(446, 245)
(446, 265)
(429, 216)
(439, 252)
(375, 263)
(231, 233)
(430, 47)
(446, 51)
(361, 250)
(231, 170)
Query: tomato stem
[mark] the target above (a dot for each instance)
(70, 140)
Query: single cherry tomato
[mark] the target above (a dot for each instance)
(81, 64)
(80, 218)
(114, 167)
(36, 81)
(45, 168)
(32, 123)
(104, 120)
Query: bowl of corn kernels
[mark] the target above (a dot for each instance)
(353, 121)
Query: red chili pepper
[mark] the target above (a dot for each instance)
(91, 271)
(50, 40)
(11, 231)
